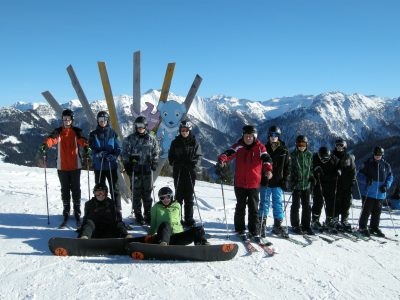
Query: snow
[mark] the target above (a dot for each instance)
(344, 269)
(10, 139)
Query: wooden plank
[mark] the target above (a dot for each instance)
(82, 97)
(167, 82)
(53, 103)
(136, 84)
(123, 178)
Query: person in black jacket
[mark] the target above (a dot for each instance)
(184, 155)
(100, 220)
(274, 187)
(345, 183)
(326, 172)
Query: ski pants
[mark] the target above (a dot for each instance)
(100, 176)
(343, 203)
(142, 192)
(266, 193)
(70, 184)
(324, 192)
(303, 197)
(250, 198)
(164, 234)
(184, 189)
(90, 230)
(371, 207)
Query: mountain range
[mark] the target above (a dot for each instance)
(364, 121)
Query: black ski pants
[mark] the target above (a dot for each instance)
(371, 207)
(324, 192)
(90, 230)
(164, 234)
(251, 198)
(142, 187)
(70, 184)
(343, 203)
(303, 197)
(184, 181)
(112, 179)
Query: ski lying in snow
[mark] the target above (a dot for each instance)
(142, 251)
(61, 246)
(292, 240)
(360, 236)
(266, 246)
(327, 239)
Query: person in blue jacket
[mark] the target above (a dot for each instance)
(375, 178)
(106, 147)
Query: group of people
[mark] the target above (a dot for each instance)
(265, 171)
(140, 157)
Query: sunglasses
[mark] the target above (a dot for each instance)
(67, 120)
(102, 119)
(340, 145)
(273, 134)
(165, 197)
(140, 125)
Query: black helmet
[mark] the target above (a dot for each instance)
(340, 143)
(166, 190)
(250, 129)
(102, 114)
(186, 124)
(68, 113)
(324, 154)
(274, 131)
(140, 122)
(379, 151)
(100, 187)
(301, 139)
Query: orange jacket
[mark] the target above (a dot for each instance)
(67, 141)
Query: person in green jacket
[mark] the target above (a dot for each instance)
(302, 183)
(166, 227)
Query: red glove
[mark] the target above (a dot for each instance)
(223, 158)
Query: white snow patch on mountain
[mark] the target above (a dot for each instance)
(11, 139)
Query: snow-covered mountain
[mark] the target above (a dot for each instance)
(218, 119)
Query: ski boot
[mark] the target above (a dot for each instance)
(376, 231)
(308, 231)
(189, 222)
(297, 230)
(277, 229)
(65, 221)
(346, 226)
(77, 216)
(331, 225)
(315, 224)
(364, 232)
(139, 219)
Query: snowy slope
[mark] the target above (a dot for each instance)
(344, 269)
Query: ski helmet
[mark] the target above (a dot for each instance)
(103, 114)
(250, 129)
(324, 154)
(140, 122)
(274, 131)
(166, 191)
(340, 143)
(68, 113)
(100, 187)
(301, 139)
(379, 151)
(185, 124)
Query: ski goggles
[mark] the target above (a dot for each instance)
(102, 119)
(273, 134)
(339, 145)
(140, 125)
(165, 197)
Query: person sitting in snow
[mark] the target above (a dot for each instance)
(101, 219)
(166, 227)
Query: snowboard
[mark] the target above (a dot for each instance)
(61, 246)
(142, 251)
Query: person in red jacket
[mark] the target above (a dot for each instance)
(68, 138)
(252, 162)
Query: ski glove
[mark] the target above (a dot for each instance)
(154, 165)
(339, 172)
(383, 189)
(43, 148)
(110, 157)
(134, 158)
(101, 154)
(222, 159)
(268, 175)
(285, 185)
(87, 151)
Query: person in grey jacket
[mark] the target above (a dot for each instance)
(140, 155)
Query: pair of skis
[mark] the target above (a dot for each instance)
(263, 244)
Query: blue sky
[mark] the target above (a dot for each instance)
(246, 49)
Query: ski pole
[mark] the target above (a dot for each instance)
(285, 203)
(45, 183)
(223, 200)
(195, 198)
(263, 212)
(112, 193)
(88, 177)
(391, 218)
